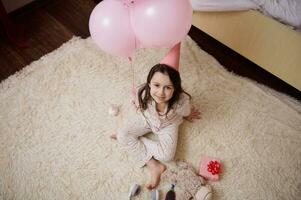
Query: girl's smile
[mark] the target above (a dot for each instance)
(161, 88)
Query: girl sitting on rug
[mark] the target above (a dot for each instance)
(162, 104)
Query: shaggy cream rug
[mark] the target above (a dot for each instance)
(54, 128)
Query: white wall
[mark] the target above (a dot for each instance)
(11, 5)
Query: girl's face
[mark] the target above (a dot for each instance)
(161, 88)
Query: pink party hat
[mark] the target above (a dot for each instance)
(172, 58)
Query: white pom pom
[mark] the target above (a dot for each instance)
(113, 110)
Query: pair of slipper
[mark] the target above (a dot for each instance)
(135, 189)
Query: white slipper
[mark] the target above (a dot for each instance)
(155, 195)
(204, 193)
(134, 190)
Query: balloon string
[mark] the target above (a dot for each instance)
(133, 72)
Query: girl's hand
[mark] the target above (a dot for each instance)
(194, 114)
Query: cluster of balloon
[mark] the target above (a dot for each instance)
(119, 27)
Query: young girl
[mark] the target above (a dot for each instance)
(162, 104)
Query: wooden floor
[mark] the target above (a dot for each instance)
(50, 23)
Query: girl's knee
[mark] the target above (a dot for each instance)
(122, 135)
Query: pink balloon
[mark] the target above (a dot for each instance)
(110, 28)
(161, 23)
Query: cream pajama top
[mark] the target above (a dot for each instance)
(131, 136)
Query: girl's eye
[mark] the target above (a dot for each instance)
(156, 85)
(168, 88)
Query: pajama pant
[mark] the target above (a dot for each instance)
(131, 138)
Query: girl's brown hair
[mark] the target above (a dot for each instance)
(144, 92)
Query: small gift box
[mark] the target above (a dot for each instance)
(210, 168)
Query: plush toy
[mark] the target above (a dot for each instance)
(188, 185)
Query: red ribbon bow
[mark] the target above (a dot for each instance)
(214, 167)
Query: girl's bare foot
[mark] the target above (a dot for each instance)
(156, 168)
(113, 136)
